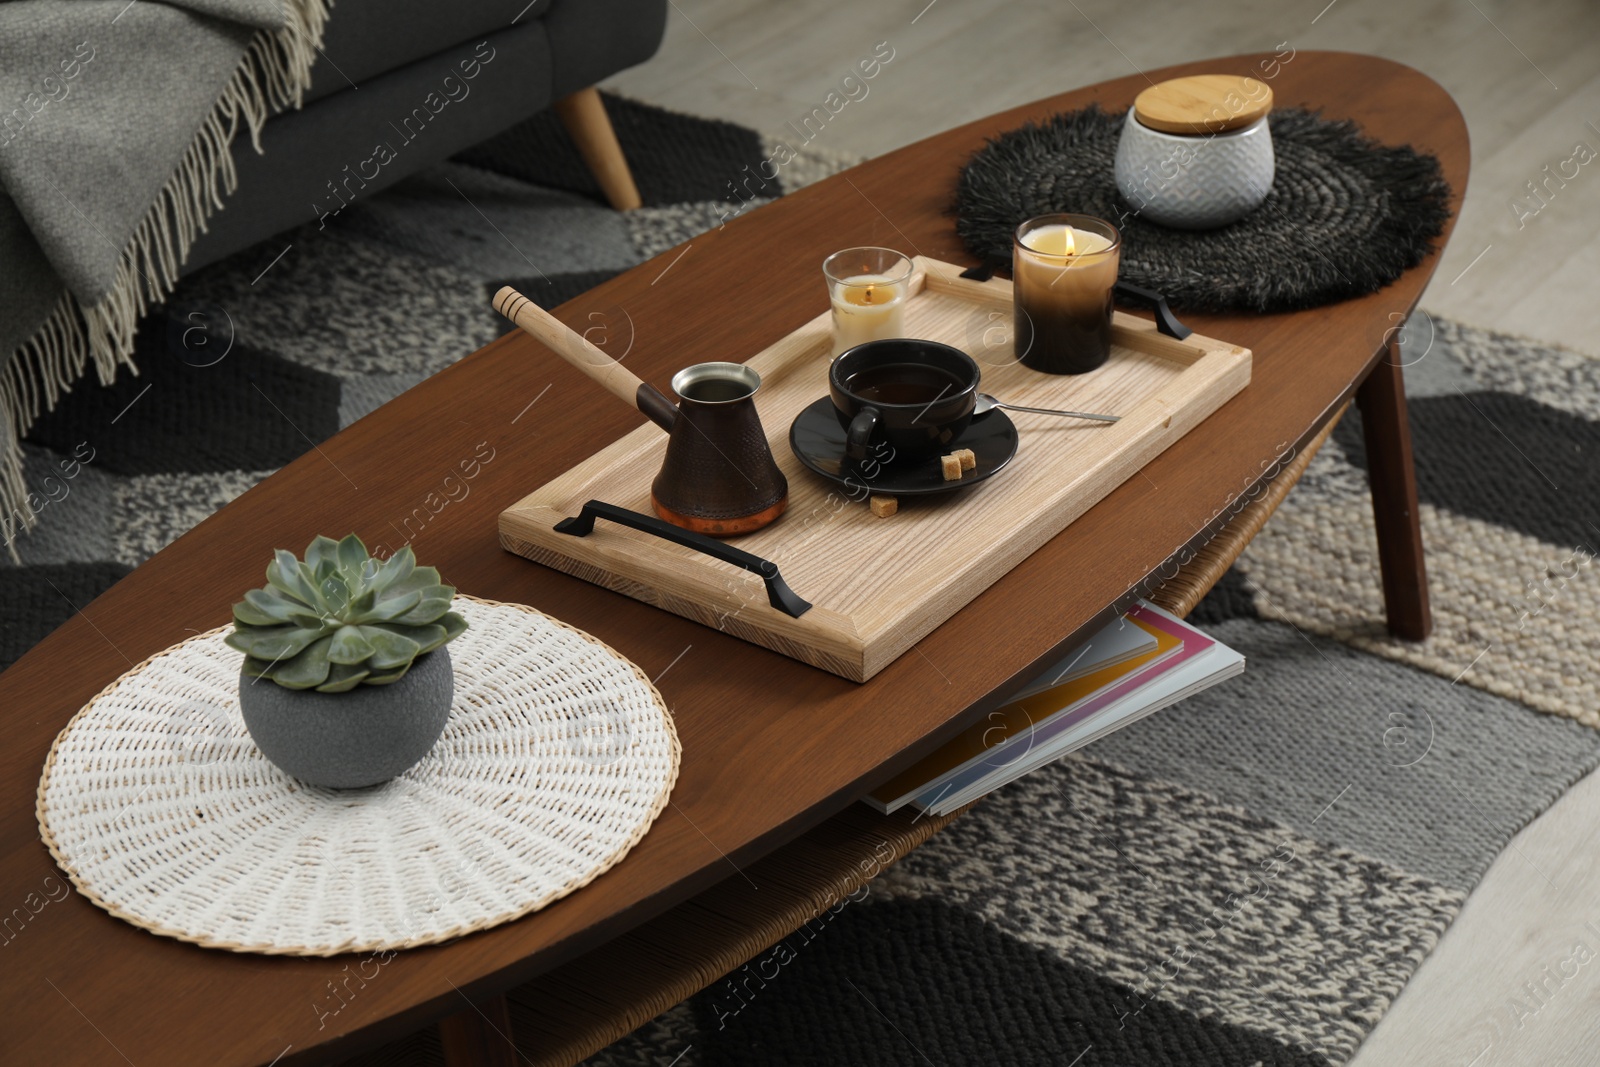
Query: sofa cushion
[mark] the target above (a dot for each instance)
(317, 158)
(366, 38)
(593, 39)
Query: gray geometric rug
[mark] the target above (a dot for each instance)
(1253, 875)
(1249, 877)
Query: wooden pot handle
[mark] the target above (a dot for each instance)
(573, 347)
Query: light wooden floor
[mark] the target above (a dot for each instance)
(1527, 76)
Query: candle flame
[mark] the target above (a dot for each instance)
(868, 292)
(1053, 240)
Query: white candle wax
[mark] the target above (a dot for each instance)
(1059, 239)
(867, 307)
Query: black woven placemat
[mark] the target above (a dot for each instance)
(1345, 217)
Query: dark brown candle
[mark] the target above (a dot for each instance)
(1063, 271)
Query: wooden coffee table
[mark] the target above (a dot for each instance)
(771, 747)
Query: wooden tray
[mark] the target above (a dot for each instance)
(877, 586)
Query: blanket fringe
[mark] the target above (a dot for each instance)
(273, 75)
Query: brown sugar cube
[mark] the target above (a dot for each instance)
(883, 506)
(952, 467)
(965, 455)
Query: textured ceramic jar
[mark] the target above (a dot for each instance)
(1196, 153)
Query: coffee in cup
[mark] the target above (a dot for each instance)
(914, 396)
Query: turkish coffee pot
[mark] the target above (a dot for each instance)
(718, 476)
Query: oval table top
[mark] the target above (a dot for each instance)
(770, 746)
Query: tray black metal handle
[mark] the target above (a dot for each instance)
(779, 595)
(1166, 321)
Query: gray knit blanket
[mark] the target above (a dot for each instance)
(115, 124)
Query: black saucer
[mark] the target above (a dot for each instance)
(817, 440)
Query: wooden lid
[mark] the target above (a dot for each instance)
(1204, 103)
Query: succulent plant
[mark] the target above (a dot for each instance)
(342, 618)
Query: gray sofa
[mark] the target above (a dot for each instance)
(403, 84)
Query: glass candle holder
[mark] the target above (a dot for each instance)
(1063, 270)
(869, 289)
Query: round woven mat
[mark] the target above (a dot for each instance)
(1346, 215)
(558, 756)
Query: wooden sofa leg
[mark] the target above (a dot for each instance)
(584, 116)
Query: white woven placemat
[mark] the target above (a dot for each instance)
(558, 756)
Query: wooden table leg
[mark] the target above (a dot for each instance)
(1394, 497)
(584, 115)
(479, 1036)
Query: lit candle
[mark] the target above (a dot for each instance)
(1063, 271)
(869, 288)
(867, 307)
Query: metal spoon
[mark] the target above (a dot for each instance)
(989, 403)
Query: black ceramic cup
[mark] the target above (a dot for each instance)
(914, 396)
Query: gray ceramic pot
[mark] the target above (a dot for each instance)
(1195, 181)
(346, 740)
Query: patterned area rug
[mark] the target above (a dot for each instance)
(1248, 878)
(1252, 876)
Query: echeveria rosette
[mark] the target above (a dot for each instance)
(342, 618)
